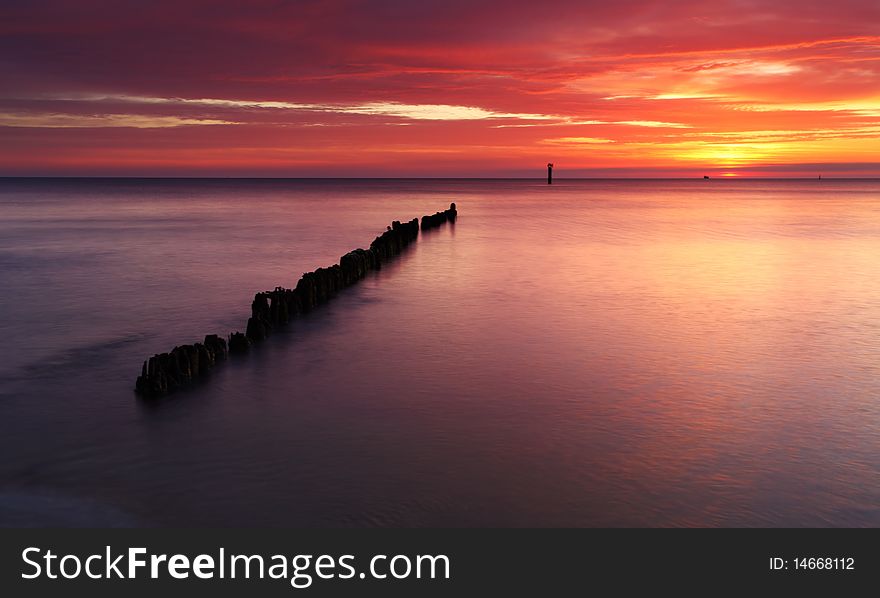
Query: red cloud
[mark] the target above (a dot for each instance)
(451, 88)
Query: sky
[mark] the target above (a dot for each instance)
(631, 88)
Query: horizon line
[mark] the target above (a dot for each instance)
(434, 178)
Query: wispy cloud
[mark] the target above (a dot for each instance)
(391, 109)
(861, 107)
(74, 121)
(433, 112)
(653, 124)
(568, 121)
(577, 140)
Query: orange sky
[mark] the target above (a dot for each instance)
(393, 88)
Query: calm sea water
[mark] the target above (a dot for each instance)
(611, 353)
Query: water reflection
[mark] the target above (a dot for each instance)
(598, 353)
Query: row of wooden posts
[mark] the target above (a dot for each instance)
(270, 310)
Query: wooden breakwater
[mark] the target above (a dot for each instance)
(270, 310)
(439, 218)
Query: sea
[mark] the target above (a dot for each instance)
(647, 353)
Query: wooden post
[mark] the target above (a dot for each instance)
(549, 173)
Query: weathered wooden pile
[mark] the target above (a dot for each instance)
(435, 220)
(165, 372)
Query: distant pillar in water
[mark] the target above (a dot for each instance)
(549, 173)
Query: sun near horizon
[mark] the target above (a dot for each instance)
(345, 89)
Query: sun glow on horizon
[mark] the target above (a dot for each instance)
(777, 88)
